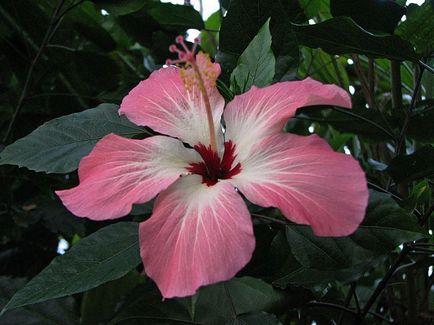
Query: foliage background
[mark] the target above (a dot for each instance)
(63, 57)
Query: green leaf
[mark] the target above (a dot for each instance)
(145, 304)
(421, 122)
(87, 21)
(217, 303)
(106, 255)
(322, 66)
(99, 304)
(210, 35)
(59, 311)
(415, 166)
(418, 28)
(256, 64)
(343, 36)
(316, 8)
(243, 21)
(386, 225)
(175, 17)
(58, 145)
(373, 15)
(367, 123)
(259, 318)
(120, 7)
(289, 272)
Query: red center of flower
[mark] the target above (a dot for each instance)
(213, 168)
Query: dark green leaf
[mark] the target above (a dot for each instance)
(145, 306)
(386, 226)
(175, 17)
(316, 8)
(216, 304)
(120, 7)
(59, 311)
(343, 36)
(256, 64)
(87, 21)
(418, 28)
(417, 165)
(361, 121)
(99, 304)
(421, 122)
(106, 255)
(58, 145)
(325, 67)
(259, 318)
(246, 18)
(374, 15)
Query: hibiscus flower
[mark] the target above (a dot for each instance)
(200, 231)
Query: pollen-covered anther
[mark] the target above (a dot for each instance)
(191, 64)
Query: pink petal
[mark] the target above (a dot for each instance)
(307, 181)
(162, 103)
(120, 172)
(197, 235)
(264, 111)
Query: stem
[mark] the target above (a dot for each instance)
(378, 126)
(385, 280)
(371, 76)
(395, 67)
(347, 302)
(55, 21)
(426, 66)
(202, 88)
(338, 73)
(29, 75)
(401, 139)
(404, 252)
(363, 82)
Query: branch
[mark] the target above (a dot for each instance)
(426, 66)
(401, 139)
(408, 248)
(363, 82)
(395, 67)
(385, 280)
(55, 21)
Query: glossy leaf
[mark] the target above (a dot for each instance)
(255, 319)
(242, 23)
(217, 304)
(316, 8)
(58, 145)
(145, 305)
(98, 305)
(343, 36)
(107, 254)
(415, 166)
(120, 7)
(175, 17)
(374, 15)
(59, 311)
(256, 64)
(418, 28)
(386, 226)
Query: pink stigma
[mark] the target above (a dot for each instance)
(185, 55)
